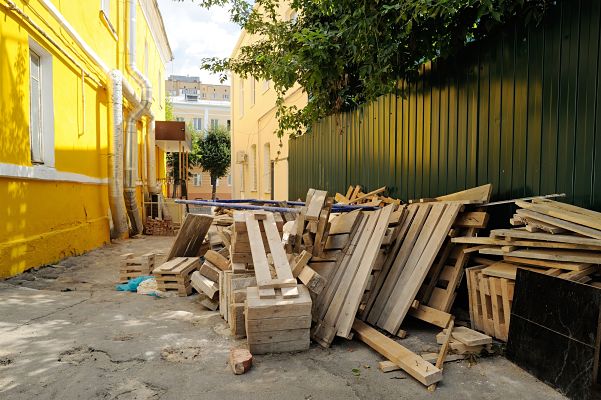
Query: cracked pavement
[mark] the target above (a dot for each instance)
(65, 333)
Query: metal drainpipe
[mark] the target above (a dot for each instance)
(115, 160)
(131, 149)
(152, 161)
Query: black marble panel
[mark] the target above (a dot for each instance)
(553, 332)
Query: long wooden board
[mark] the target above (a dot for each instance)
(190, 236)
(366, 264)
(260, 263)
(396, 269)
(562, 213)
(523, 234)
(409, 283)
(570, 226)
(410, 362)
(552, 255)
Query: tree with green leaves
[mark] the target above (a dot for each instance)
(193, 161)
(214, 153)
(346, 52)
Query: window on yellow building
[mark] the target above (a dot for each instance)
(41, 113)
(252, 164)
(146, 57)
(267, 168)
(229, 179)
(252, 91)
(214, 123)
(265, 86)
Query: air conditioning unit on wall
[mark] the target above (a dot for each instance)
(241, 157)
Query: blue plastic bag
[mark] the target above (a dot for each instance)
(132, 284)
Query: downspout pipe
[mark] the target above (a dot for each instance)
(118, 88)
(131, 143)
(153, 187)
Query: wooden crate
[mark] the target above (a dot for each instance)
(133, 267)
(175, 275)
(490, 300)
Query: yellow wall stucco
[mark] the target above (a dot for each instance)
(54, 210)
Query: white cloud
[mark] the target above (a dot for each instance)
(195, 33)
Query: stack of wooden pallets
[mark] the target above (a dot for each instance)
(158, 227)
(133, 267)
(175, 275)
(554, 238)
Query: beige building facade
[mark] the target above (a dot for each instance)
(259, 157)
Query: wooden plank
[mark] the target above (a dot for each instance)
(410, 362)
(217, 260)
(261, 266)
(312, 280)
(567, 207)
(208, 270)
(281, 335)
(443, 352)
(551, 255)
(570, 226)
(204, 285)
(337, 241)
(326, 296)
(524, 243)
(520, 233)
(505, 270)
(280, 260)
(326, 328)
(435, 231)
(562, 213)
(479, 194)
(472, 219)
(353, 296)
(470, 337)
(367, 195)
(282, 323)
(322, 228)
(343, 223)
(190, 236)
(355, 192)
(315, 205)
(396, 269)
(259, 308)
(431, 315)
(300, 262)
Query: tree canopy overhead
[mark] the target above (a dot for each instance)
(346, 52)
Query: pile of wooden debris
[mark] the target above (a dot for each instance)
(358, 265)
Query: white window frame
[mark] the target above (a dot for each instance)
(197, 180)
(267, 168)
(229, 179)
(105, 15)
(46, 106)
(214, 123)
(253, 91)
(265, 85)
(194, 124)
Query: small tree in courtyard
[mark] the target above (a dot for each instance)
(214, 153)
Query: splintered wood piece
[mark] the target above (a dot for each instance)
(259, 256)
(312, 280)
(315, 205)
(443, 352)
(410, 362)
(367, 195)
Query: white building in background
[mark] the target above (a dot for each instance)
(202, 106)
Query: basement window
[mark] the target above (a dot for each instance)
(41, 108)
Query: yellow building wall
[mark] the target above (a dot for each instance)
(66, 212)
(254, 123)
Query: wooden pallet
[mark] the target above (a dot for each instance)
(133, 267)
(175, 275)
(490, 300)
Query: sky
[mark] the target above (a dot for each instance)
(195, 33)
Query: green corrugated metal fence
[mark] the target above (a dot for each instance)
(521, 111)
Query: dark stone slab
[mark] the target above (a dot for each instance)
(553, 332)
